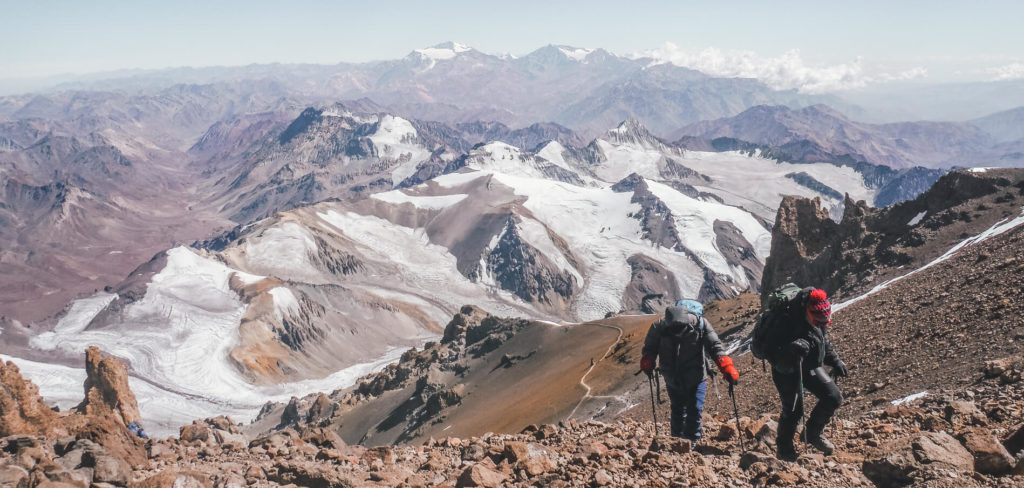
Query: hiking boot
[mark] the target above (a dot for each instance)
(822, 444)
(786, 452)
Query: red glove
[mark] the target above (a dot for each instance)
(728, 370)
(647, 364)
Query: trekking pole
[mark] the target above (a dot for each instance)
(654, 412)
(800, 393)
(833, 421)
(736, 412)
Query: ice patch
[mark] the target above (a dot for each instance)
(407, 255)
(917, 219)
(455, 180)
(909, 398)
(980, 169)
(399, 197)
(285, 303)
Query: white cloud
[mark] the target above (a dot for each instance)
(1012, 71)
(785, 72)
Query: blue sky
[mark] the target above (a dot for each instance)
(937, 40)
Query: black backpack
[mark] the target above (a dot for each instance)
(761, 340)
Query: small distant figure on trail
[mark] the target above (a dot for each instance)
(792, 335)
(683, 342)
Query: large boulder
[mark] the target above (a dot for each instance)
(22, 410)
(901, 463)
(534, 458)
(481, 475)
(942, 449)
(990, 457)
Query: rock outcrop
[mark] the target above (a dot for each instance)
(22, 410)
(869, 245)
(107, 393)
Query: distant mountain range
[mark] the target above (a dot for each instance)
(587, 90)
(820, 133)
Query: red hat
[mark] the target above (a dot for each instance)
(819, 310)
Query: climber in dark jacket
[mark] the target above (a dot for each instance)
(800, 348)
(682, 341)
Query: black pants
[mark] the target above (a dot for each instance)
(687, 407)
(818, 382)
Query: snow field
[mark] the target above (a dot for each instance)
(758, 184)
(442, 54)
(412, 261)
(283, 251)
(398, 197)
(178, 336)
(596, 225)
(695, 220)
(552, 153)
(626, 159)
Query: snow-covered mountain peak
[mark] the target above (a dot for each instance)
(575, 53)
(443, 51)
(632, 132)
(340, 110)
(393, 130)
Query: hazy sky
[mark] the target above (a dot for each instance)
(862, 41)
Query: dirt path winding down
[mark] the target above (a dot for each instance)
(583, 382)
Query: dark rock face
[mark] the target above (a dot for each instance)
(906, 185)
(521, 269)
(655, 218)
(651, 287)
(806, 180)
(737, 250)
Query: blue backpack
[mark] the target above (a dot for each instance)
(692, 306)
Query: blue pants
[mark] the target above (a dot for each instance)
(687, 406)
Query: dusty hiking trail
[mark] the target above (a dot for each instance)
(583, 378)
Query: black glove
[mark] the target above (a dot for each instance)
(800, 347)
(839, 369)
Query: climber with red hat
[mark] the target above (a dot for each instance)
(800, 350)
